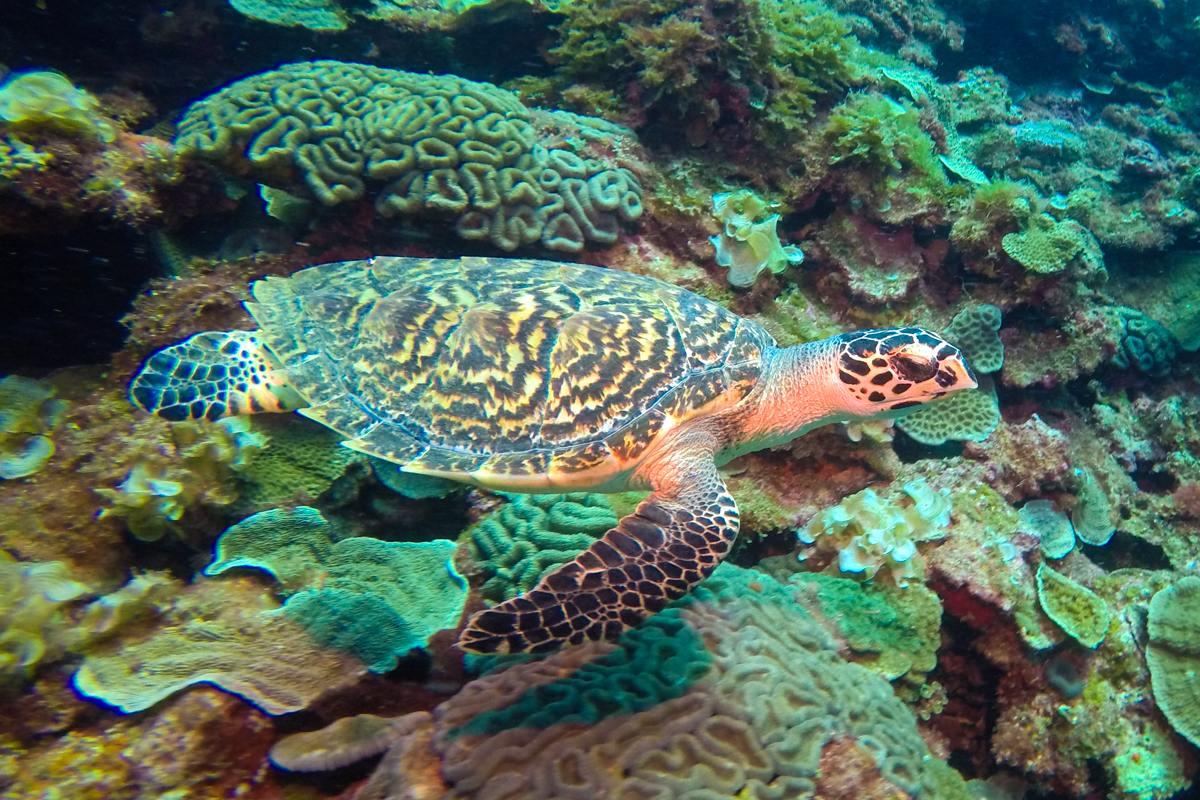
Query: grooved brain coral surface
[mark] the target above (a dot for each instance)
(429, 145)
(733, 692)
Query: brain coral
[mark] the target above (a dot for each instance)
(733, 692)
(430, 145)
(515, 545)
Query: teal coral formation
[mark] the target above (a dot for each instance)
(530, 534)
(316, 15)
(752, 701)
(29, 413)
(748, 242)
(372, 598)
(1054, 532)
(1143, 344)
(428, 145)
(869, 533)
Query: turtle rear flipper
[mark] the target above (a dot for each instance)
(211, 375)
(676, 538)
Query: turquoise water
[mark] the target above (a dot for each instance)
(599, 399)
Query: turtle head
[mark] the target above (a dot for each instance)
(887, 370)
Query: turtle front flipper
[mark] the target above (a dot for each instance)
(676, 538)
(211, 375)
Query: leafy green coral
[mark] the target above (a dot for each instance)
(34, 625)
(869, 533)
(372, 598)
(531, 534)
(1079, 611)
(29, 414)
(427, 145)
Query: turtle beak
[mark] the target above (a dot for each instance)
(964, 375)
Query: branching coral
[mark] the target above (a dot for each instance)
(435, 146)
(734, 692)
(372, 598)
(870, 533)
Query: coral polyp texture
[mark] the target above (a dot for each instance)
(1174, 655)
(425, 145)
(734, 692)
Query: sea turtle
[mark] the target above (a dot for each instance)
(535, 376)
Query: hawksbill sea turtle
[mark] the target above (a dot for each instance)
(536, 376)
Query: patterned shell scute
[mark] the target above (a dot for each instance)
(516, 366)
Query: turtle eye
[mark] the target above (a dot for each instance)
(914, 368)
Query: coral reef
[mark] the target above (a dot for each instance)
(1173, 653)
(34, 625)
(1080, 612)
(732, 692)
(437, 146)
(374, 599)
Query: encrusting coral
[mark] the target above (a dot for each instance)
(973, 415)
(374, 599)
(437, 146)
(1043, 519)
(733, 692)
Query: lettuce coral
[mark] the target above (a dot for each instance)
(229, 633)
(48, 99)
(732, 692)
(372, 598)
(435, 146)
(869, 533)
(29, 413)
(199, 468)
(748, 242)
